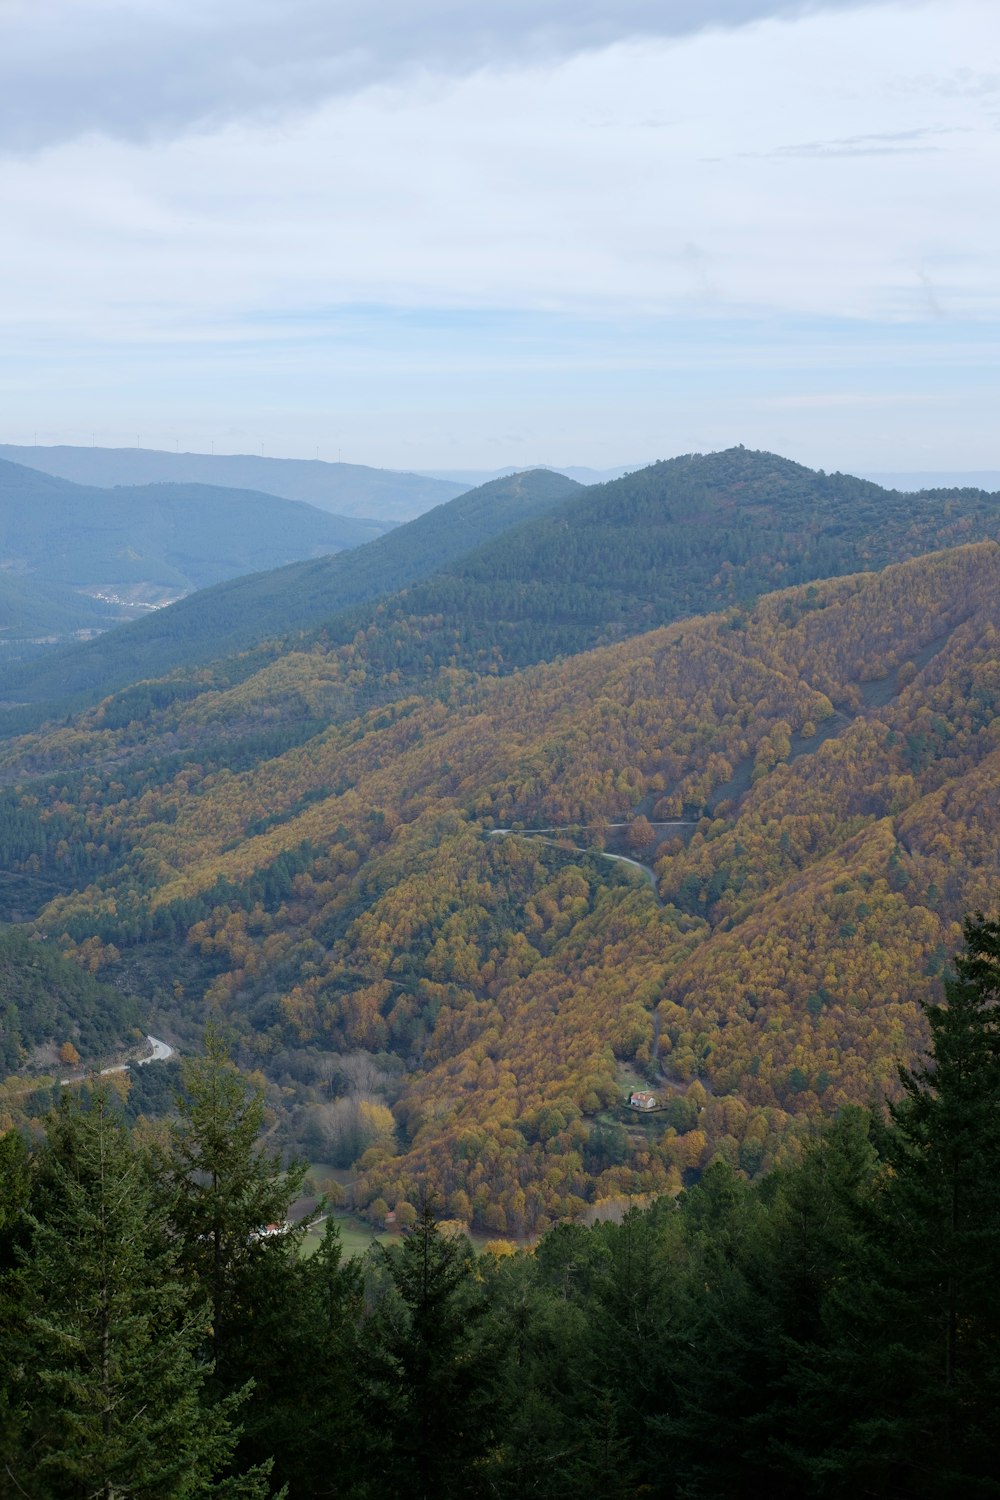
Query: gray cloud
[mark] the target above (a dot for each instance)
(142, 69)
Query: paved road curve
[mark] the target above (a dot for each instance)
(160, 1053)
(648, 874)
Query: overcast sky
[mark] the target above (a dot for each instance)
(449, 233)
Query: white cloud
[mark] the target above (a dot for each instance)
(607, 224)
(143, 69)
(764, 186)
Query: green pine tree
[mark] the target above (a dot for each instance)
(300, 1343)
(111, 1398)
(15, 1237)
(434, 1385)
(919, 1338)
(223, 1192)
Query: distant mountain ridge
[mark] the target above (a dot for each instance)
(582, 475)
(240, 613)
(937, 479)
(138, 546)
(685, 536)
(344, 489)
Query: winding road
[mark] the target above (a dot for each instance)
(160, 1053)
(647, 872)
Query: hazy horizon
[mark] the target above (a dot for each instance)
(905, 479)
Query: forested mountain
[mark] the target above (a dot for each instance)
(340, 886)
(682, 537)
(690, 535)
(345, 489)
(140, 546)
(241, 613)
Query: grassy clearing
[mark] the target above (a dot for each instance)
(628, 1080)
(355, 1234)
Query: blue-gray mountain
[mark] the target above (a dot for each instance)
(249, 612)
(74, 558)
(344, 489)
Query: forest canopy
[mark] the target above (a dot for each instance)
(809, 784)
(829, 1330)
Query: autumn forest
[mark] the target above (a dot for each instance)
(724, 859)
(571, 906)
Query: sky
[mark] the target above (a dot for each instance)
(450, 233)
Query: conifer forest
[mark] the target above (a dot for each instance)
(832, 1329)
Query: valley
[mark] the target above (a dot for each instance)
(245, 618)
(728, 856)
(76, 560)
(499, 960)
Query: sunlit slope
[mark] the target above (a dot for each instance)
(838, 748)
(245, 611)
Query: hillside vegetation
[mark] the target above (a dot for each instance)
(333, 887)
(141, 545)
(48, 1003)
(34, 615)
(243, 612)
(693, 534)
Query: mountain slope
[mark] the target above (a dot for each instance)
(680, 537)
(236, 615)
(183, 535)
(135, 547)
(690, 535)
(48, 1002)
(345, 489)
(835, 752)
(42, 613)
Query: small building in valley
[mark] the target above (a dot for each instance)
(642, 1100)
